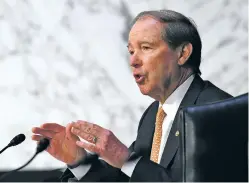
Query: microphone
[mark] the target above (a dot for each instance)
(41, 146)
(15, 141)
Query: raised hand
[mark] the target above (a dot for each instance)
(101, 141)
(62, 142)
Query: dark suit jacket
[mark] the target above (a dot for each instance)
(169, 169)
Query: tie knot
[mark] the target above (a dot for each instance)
(160, 115)
(161, 112)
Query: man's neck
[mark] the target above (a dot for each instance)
(174, 86)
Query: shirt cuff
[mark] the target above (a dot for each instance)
(80, 171)
(129, 166)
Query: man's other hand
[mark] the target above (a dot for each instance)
(62, 142)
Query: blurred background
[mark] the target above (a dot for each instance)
(62, 60)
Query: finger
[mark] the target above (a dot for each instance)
(82, 123)
(87, 127)
(69, 131)
(46, 133)
(37, 137)
(83, 135)
(75, 125)
(53, 127)
(82, 126)
(87, 146)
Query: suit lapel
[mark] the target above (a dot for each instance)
(172, 143)
(145, 138)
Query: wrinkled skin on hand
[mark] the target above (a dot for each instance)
(62, 142)
(107, 145)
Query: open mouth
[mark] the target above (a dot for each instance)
(139, 78)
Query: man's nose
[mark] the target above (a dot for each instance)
(135, 60)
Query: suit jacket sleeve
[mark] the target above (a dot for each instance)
(100, 171)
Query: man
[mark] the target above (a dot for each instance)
(165, 55)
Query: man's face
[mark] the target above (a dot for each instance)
(154, 64)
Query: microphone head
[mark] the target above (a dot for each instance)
(42, 145)
(17, 140)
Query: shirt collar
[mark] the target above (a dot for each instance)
(173, 102)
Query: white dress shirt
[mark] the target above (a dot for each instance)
(170, 107)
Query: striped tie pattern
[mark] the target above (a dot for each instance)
(157, 135)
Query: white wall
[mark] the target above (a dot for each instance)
(63, 60)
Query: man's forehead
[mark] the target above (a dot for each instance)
(146, 24)
(146, 27)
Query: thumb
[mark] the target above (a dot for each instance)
(68, 130)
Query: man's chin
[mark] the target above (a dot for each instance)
(144, 90)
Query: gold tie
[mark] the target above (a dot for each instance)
(157, 135)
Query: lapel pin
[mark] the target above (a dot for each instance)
(177, 133)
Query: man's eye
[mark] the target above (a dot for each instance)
(146, 48)
(131, 52)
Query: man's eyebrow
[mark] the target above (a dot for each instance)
(147, 42)
(152, 42)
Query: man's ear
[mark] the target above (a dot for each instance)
(185, 52)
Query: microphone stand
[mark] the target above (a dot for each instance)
(5, 148)
(15, 170)
(42, 145)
